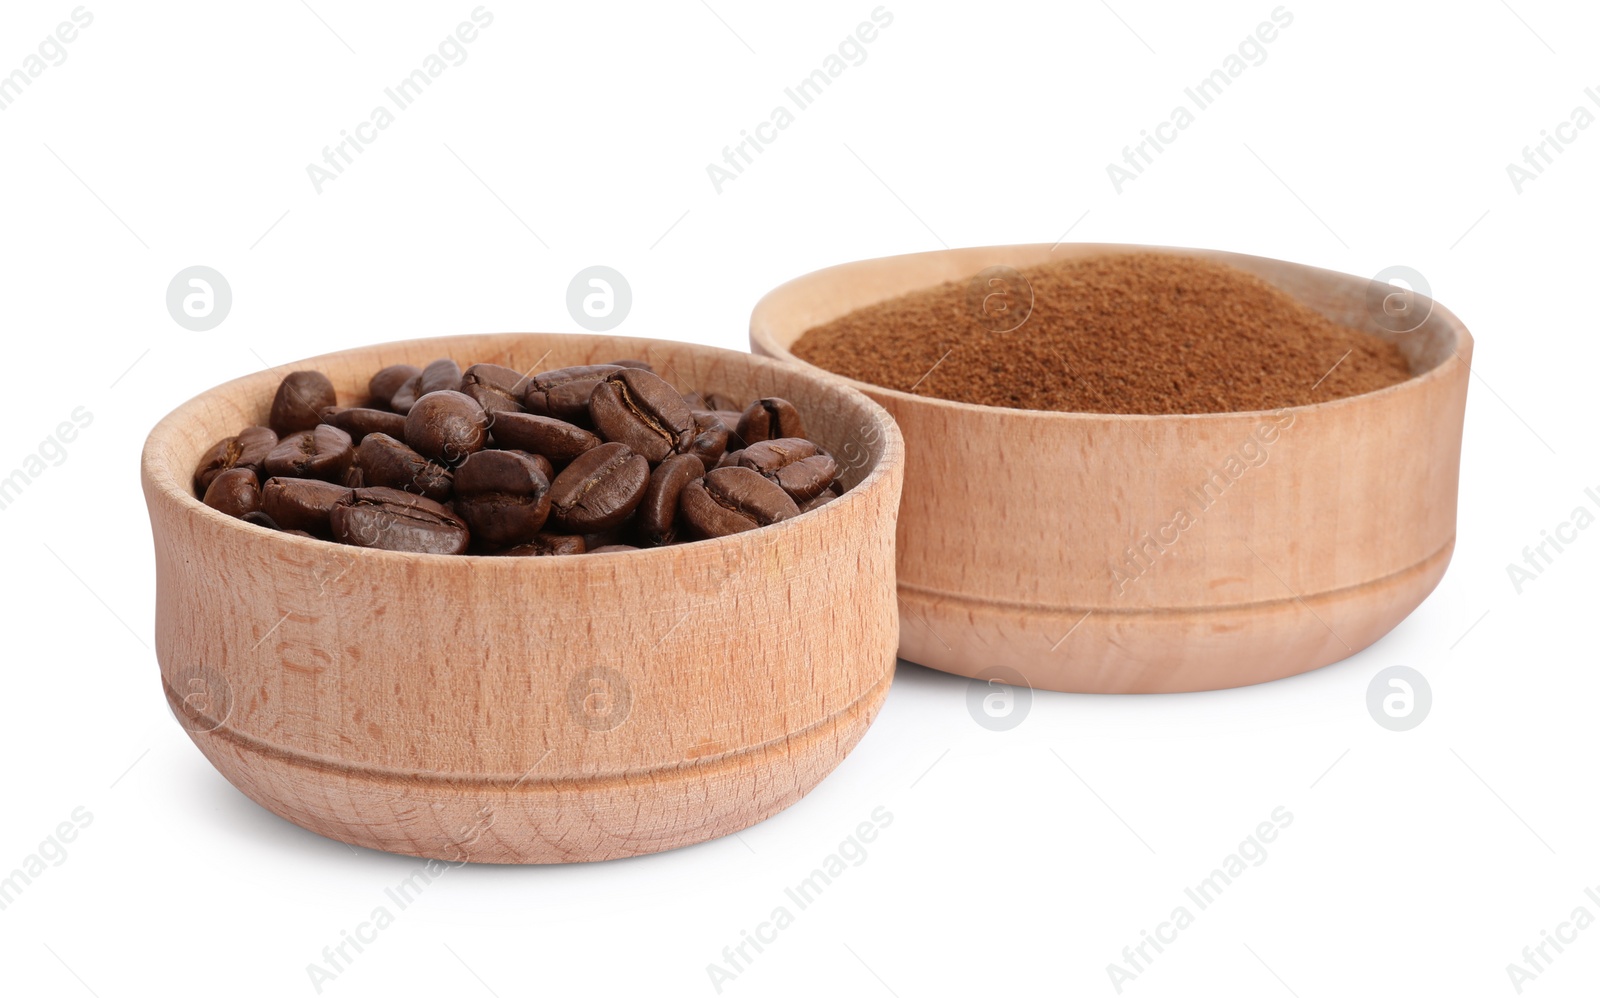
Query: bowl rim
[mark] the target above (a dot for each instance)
(165, 483)
(761, 339)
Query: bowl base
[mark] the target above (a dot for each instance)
(1172, 650)
(533, 820)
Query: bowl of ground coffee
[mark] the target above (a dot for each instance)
(525, 598)
(1138, 469)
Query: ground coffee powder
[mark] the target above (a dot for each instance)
(1113, 333)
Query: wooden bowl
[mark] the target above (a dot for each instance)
(529, 710)
(1026, 565)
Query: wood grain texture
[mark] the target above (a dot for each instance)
(529, 710)
(1073, 567)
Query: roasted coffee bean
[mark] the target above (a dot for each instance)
(818, 502)
(732, 500)
(808, 477)
(599, 489)
(235, 492)
(730, 418)
(769, 419)
(247, 450)
(299, 403)
(539, 459)
(444, 460)
(570, 401)
(503, 496)
(442, 375)
(324, 452)
(495, 387)
(711, 442)
(358, 422)
(381, 389)
(797, 465)
(300, 503)
(386, 462)
(397, 521)
(407, 394)
(556, 439)
(768, 456)
(546, 544)
(641, 410)
(447, 426)
(657, 518)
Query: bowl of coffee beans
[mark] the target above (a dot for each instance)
(1142, 469)
(526, 598)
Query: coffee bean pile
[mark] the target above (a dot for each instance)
(602, 457)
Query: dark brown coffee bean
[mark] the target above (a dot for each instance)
(730, 418)
(300, 503)
(407, 394)
(732, 500)
(503, 496)
(657, 517)
(641, 410)
(768, 456)
(797, 465)
(354, 477)
(442, 375)
(381, 389)
(358, 422)
(808, 477)
(261, 519)
(324, 452)
(599, 489)
(247, 450)
(570, 401)
(817, 503)
(546, 544)
(539, 459)
(493, 386)
(556, 439)
(397, 521)
(447, 426)
(769, 419)
(730, 459)
(388, 463)
(235, 492)
(711, 442)
(301, 398)
(607, 548)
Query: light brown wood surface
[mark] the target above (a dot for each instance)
(445, 706)
(1013, 521)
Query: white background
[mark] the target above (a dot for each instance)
(1374, 134)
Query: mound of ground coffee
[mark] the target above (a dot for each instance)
(1114, 333)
